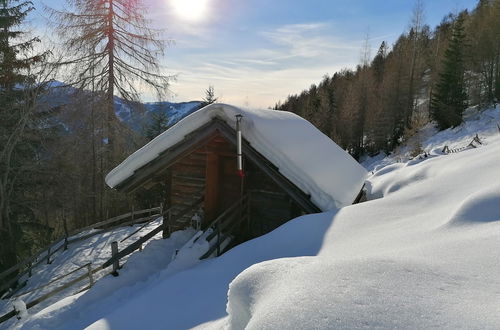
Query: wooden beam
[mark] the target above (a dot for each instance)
(211, 186)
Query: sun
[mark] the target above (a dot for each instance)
(192, 10)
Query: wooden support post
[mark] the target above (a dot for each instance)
(167, 217)
(249, 226)
(164, 233)
(140, 246)
(89, 272)
(218, 239)
(65, 224)
(211, 187)
(116, 263)
(48, 256)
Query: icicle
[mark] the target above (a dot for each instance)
(239, 155)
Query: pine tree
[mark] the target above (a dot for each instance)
(449, 99)
(483, 32)
(378, 63)
(114, 51)
(158, 125)
(18, 145)
(209, 96)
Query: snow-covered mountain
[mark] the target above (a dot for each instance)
(421, 253)
(138, 115)
(135, 115)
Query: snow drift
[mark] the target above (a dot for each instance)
(423, 256)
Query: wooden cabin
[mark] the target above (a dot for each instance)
(197, 166)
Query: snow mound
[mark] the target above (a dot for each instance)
(480, 207)
(387, 169)
(373, 293)
(303, 154)
(409, 179)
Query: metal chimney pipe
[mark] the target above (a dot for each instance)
(239, 155)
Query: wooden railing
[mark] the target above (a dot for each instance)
(88, 274)
(153, 213)
(167, 219)
(116, 255)
(476, 139)
(25, 266)
(224, 225)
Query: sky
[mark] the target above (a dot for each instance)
(257, 52)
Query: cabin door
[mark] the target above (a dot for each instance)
(222, 185)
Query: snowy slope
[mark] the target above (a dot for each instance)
(303, 154)
(483, 123)
(157, 254)
(423, 253)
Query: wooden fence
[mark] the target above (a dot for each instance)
(225, 225)
(116, 255)
(45, 255)
(164, 227)
(476, 139)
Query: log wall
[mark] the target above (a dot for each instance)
(210, 171)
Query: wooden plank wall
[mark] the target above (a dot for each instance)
(270, 205)
(211, 171)
(187, 184)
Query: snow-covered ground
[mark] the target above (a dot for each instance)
(483, 123)
(422, 253)
(96, 250)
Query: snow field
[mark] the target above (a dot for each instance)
(422, 253)
(156, 255)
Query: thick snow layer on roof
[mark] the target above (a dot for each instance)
(302, 153)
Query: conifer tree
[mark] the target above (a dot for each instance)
(449, 99)
(209, 96)
(17, 139)
(158, 125)
(114, 50)
(378, 62)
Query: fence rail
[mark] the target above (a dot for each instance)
(167, 218)
(25, 266)
(476, 139)
(223, 222)
(224, 225)
(88, 274)
(63, 243)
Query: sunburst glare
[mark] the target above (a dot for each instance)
(192, 10)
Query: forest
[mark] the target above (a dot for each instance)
(427, 74)
(59, 140)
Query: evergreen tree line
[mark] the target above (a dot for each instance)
(58, 142)
(426, 74)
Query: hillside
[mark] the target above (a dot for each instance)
(421, 253)
(134, 115)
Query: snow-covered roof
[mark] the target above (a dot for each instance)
(304, 155)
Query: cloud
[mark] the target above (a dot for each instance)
(308, 40)
(287, 60)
